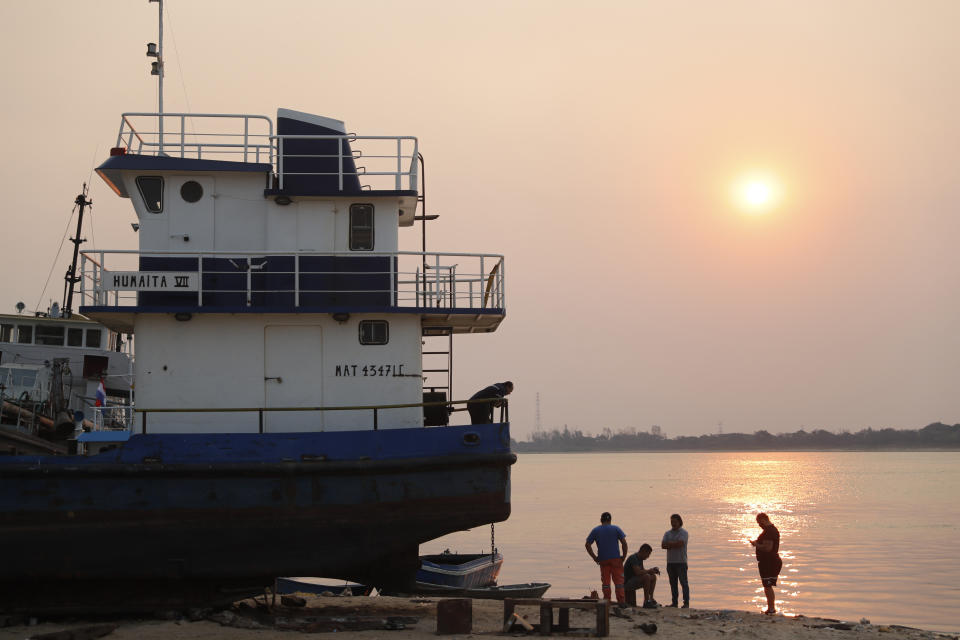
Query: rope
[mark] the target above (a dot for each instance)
(183, 84)
(66, 232)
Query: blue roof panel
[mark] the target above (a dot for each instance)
(135, 162)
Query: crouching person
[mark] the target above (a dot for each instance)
(638, 578)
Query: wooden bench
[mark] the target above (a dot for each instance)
(547, 605)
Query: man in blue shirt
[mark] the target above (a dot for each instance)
(608, 556)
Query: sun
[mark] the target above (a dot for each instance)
(757, 194)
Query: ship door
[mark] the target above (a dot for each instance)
(293, 377)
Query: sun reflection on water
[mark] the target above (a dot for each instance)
(784, 489)
(839, 514)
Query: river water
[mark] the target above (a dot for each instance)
(863, 534)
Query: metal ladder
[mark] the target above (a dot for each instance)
(438, 363)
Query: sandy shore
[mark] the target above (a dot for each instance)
(382, 613)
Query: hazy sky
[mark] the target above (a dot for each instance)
(596, 146)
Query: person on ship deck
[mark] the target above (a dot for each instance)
(481, 403)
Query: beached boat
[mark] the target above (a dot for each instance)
(280, 426)
(459, 570)
(319, 586)
(491, 592)
(53, 371)
(62, 375)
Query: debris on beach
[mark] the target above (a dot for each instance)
(81, 633)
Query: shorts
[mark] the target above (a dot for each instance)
(769, 570)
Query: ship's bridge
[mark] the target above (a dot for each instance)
(237, 216)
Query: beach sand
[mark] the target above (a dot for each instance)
(319, 612)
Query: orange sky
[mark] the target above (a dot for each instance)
(596, 146)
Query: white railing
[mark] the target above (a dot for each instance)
(112, 418)
(381, 162)
(390, 161)
(451, 281)
(224, 136)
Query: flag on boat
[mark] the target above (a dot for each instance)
(101, 394)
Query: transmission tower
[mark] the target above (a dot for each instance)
(538, 413)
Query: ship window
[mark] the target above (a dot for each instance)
(151, 190)
(95, 366)
(374, 332)
(93, 338)
(191, 191)
(74, 337)
(25, 333)
(23, 377)
(50, 335)
(361, 227)
(6, 332)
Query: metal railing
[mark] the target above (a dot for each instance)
(237, 137)
(390, 162)
(112, 417)
(450, 281)
(384, 161)
(375, 410)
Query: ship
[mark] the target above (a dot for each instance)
(64, 379)
(51, 369)
(284, 423)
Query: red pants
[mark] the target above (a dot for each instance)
(612, 567)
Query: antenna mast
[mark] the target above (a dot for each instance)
(156, 69)
(72, 278)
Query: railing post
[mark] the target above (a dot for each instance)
(200, 280)
(101, 297)
(249, 281)
(183, 138)
(453, 286)
(123, 122)
(375, 426)
(394, 261)
(399, 162)
(501, 291)
(414, 180)
(246, 133)
(296, 279)
(483, 281)
(340, 162)
(260, 413)
(280, 161)
(143, 422)
(437, 279)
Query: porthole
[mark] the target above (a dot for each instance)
(191, 191)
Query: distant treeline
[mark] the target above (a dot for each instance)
(933, 436)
